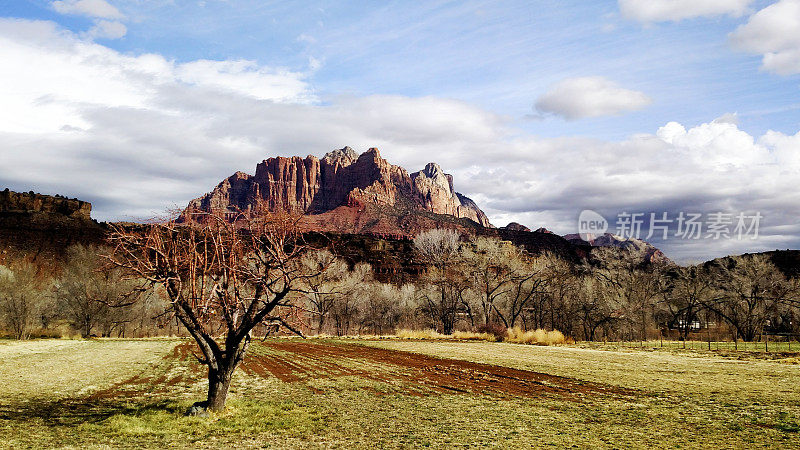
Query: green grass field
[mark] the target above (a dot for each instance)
(395, 393)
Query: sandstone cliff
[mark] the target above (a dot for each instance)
(41, 227)
(343, 192)
(30, 203)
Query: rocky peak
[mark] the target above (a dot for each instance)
(436, 176)
(340, 179)
(514, 226)
(432, 170)
(341, 157)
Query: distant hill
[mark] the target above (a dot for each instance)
(647, 250)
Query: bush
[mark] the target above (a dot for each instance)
(538, 337)
(433, 334)
(495, 329)
(420, 334)
(473, 336)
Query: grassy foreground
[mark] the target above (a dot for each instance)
(328, 393)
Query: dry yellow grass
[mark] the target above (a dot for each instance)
(420, 334)
(538, 337)
(60, 368)
(473, 336)
(457, 335)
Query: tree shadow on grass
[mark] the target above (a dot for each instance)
(76, 411)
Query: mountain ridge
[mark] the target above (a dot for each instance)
(356, 193)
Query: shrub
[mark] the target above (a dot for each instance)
(420, 334)
(495, 329)
(538, 337)
(433, 334)
(475, 336)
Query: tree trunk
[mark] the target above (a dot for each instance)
(218, 384)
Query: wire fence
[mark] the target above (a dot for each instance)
(765, 343)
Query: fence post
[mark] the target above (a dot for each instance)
(766, 343)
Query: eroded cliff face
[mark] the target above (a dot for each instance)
(29, 203)
(343, 187)
(41, 227)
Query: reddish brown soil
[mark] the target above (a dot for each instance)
(394, 371)
(413, 373)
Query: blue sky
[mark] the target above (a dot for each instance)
(498, 55)
(486, 88)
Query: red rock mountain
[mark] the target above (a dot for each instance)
(344, 192)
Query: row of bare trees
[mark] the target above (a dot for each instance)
(86, 295)
(617, 294)
(469, 284)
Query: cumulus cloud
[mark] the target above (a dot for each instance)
(107, 29)
(648, 11)
(581, 97)
(91, 8)
(136, 134)
(773, 32)
(99, 11)
(245, 77)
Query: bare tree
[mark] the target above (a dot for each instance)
(323, 288)
(21, 299)
(438, 247)
(751, 290)
(444, 297)
(595, 311)
(634, 283)
(689, 290)
(491, 269)
(92, 295)
(222, 279)
(381, 308)
(561, 295)
(529, 278)
(349, 305)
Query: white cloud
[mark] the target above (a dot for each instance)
(773, 32)
(107, 29)
(718, 145)
(91, 8)
(648, 11)
(56, 74)
(138, 134)
(245, 77)
(581, 97)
